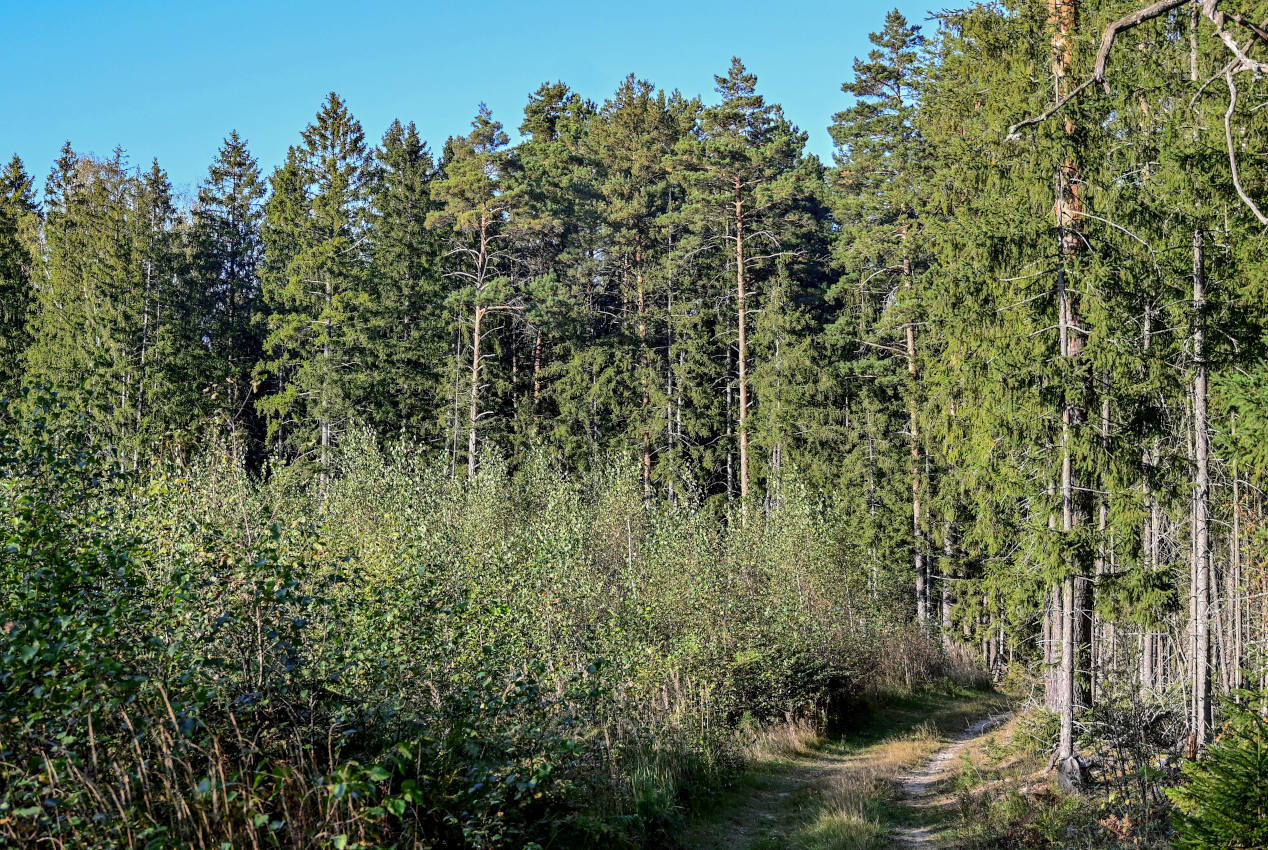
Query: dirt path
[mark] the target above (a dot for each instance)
(919, 787)
(831, 795)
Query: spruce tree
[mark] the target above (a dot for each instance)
(881, 168)
(315, 285)
(629, 141)
(113, 304)
(19, 254)
(229, 252)
(409, 331)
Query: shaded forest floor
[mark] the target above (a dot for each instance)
(874, 787)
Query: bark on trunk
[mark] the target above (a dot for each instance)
(477, 329)
(1201, 505)
(742, 316)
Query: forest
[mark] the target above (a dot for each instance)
(525, 494)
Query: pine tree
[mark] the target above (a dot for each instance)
(743, 172)
(315, 285)
(475, 209)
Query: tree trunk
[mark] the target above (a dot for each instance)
(645, 360)
(1235, 568)
(742, 316)
(1201, 505)
(476, 331)
(919, 556)
(1068, 208)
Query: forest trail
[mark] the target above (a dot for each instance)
(919, 788)
(816, 794)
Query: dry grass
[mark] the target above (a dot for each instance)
(852, 800)
(783, 741)
(807, 792)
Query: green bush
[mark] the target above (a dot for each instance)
(194, 657)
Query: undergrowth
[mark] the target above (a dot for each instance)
(195, 657)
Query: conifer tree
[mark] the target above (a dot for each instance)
(229, 253)
(629, 141)
(475, 209)
(315, 285)
(19, 253)
(113, 307)
(556, 370)
(743, 172)
(881, 164)
(409, 331)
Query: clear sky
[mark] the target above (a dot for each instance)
(171, 79)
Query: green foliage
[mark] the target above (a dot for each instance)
(393, 657)
(228, 255)
(115, 325)
(1224, 799)
(316, 290)
(19, 248)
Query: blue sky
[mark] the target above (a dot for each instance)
(170, 80)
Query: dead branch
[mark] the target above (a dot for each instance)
(1013, 131)
(1241, 62)
(1232, 153)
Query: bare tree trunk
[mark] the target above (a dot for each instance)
(455, 417)
(537, 369)
(477, 329)
(324, 409)
(1052, 649)
(919, 556)
(1065, 749)
(1068, 209)
(948, 552)
(1201, 505)
(1235, 567)
(742, 317)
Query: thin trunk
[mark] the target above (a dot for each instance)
(1201, 504)
(1235, 567)
(476, 332)
(537, 370)
(742, 316)
(948, 553)
(646, 380)
(919, 558)
(730, 435)
(1068, 208)
(455, 418)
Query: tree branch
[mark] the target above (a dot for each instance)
(1232, 154)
